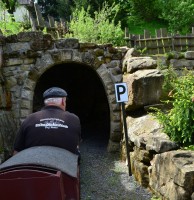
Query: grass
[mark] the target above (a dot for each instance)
(138, 26)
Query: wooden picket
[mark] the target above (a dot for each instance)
(56, 29)
(161, 43)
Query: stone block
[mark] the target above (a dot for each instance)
(172, 174)
(5, 99)
(45, 61)
(141, 128)
(142, 155)
(70, 43)
(27, 94)
(14, 61)
(113, 146)
(180, 64)
(28, 61)
(24, 113)
(87, 45)
(138, 63)
(25, 104)
(29, 36)
(66, 55)
(38, 44)
(114, 64)
(19, 47)
(189, 55)
(115, 116)
(98, 52)
(139, 170)
(115, 136)
(144, 88)
(160, 145)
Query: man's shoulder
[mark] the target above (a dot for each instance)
(71, 114)
(33, 115)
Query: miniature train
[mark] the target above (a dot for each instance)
(40, 173)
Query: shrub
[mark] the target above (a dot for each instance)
(99, 29)
(178, 122)
(10, 27)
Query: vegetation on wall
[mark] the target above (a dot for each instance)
(178, 122)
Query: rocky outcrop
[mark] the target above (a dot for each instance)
(172, 174)
(144, 88)
(144, 81)
(136, 63)
(156, 162)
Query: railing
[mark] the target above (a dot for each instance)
(161, 43)
(55, 28)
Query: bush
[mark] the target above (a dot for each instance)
(99, 29)
(10, 27)
(178, 122)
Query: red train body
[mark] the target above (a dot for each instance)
(40, 173)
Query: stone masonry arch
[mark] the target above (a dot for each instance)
(38, 53)
(27, 93)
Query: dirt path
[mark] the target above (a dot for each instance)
(105, 177)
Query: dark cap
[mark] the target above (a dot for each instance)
(54, 92)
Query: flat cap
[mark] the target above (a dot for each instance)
(54, 92)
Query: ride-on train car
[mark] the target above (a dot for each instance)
(40, 173)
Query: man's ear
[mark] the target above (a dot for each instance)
(63, 101)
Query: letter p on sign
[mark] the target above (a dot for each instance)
(121, 92)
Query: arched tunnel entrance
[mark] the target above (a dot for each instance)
(86, 97)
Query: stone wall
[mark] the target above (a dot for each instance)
(156, 162)
(25, 57)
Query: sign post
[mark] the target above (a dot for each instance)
(121, 97)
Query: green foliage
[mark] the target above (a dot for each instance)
(143, 9)
(99, 29)
(64, 9)
(155, 198)
(190, 147)
(137, 26)
(49, 7)
(178, 14)
(9, 27)
(170, 77)
(178, 122)
(10, 5)
(175, 15)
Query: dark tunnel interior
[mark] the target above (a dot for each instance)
(86, 97)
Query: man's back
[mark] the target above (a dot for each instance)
(51, 126)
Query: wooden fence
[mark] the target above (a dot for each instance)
(161, 43)
(55, 28)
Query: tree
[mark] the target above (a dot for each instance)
(178, 13)
(64, 9)
(49, 7)
(146, 10)
(10, 5)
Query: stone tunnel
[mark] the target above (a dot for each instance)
(86, 96)
(32, 62)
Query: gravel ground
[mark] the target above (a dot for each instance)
(104, 177)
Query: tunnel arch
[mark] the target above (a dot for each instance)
(106, 74)
(87, 97)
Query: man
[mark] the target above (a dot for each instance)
(52, 126)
